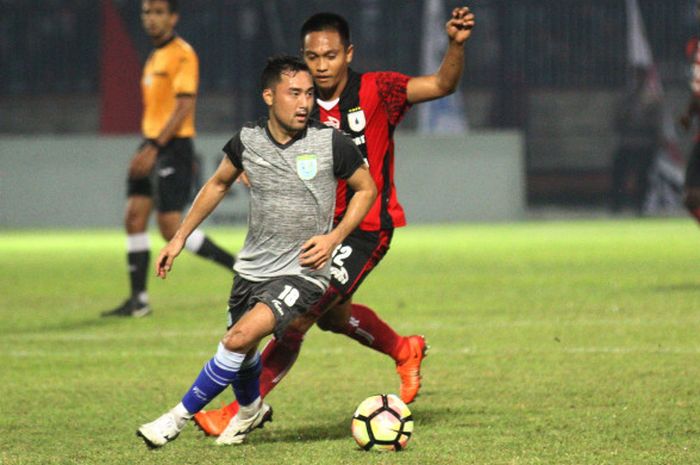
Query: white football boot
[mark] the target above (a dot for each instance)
(238, 429)
(163, 430)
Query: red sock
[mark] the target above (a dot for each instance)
(368, 329)
(695, 212)
(277, 358)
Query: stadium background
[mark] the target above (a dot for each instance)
(571, 342)
(550, 69)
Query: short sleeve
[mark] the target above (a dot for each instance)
(391, 87)
(186, 78)
(347, 158)
(234, 151)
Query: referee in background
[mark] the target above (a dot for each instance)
(161, 171)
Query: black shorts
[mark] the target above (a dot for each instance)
(353, 260)
(692, 170)
(287, 296)
(173, 176)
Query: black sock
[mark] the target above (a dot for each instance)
(213, 252)
(138, 267)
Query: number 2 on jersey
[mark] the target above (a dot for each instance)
(341, 253)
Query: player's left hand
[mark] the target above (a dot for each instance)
(459, 27)
(316, 251)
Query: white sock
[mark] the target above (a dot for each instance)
(248, 411)
(181, 412)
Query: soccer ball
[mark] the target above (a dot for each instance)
(382, 422)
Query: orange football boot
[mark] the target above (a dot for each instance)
(214, 422)
(412, 354)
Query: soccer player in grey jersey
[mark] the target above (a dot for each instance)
(284, 266)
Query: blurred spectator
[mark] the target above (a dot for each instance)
(637, 122)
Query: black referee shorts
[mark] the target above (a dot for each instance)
(173, 177)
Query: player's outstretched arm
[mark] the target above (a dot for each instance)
(207, 199)
(317, 250)
(444, 81)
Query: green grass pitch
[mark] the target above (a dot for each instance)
(552, 343)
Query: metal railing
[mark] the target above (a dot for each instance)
(53, 46)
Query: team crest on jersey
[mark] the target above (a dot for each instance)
(307, 166)
(356, 119)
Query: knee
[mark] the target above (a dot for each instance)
(325, 324)
(167, 233)
(236, 341)
(168, 224)
(134, 221)
(335, 320)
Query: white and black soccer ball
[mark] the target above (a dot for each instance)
(383, 423)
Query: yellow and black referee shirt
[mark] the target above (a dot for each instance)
(172, 70)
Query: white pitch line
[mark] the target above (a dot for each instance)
(481, 325)
(130, 354)
(114, 336)
(578, 350)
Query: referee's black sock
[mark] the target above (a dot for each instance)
(138, 257)
(213, 252)
(205, 248)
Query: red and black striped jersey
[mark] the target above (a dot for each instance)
(369, 108)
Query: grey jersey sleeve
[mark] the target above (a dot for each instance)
(234, 150)
(347, 158)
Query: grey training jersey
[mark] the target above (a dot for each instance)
(292, 195)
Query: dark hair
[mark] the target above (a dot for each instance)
(172, 5)
(279, 64)
(327, 22)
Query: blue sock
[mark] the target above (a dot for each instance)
(246, 384)
(216, 375)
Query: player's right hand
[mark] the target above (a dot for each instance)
(459, 27)
(167, 255)
(143, 162)
(243, 179)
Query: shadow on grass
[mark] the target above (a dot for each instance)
(63, 326)
(681, 287)
(331, 430)
(311, 433)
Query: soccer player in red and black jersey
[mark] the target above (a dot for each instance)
(691, 191)
(367, 106)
